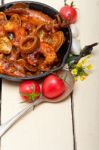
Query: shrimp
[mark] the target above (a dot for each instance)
(57, 39)
(54, 39)
(27, 15)
(36, 17)
(49, 54)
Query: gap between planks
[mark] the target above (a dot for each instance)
(73, 122)
(73, 115)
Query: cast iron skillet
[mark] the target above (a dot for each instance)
(63, 51)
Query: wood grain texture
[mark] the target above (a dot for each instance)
(86, 93)
(71, 125)
(48, 127)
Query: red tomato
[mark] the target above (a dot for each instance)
(52, 86)
(29, 90)
(69, 13)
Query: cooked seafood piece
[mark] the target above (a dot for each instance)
(57, 39)
(29, 44)
(49, 54)
(3, 18)
(16, 18)
(27, 15)
(2, 31)
(54, 39)
(15, 70)
(35, 17)
(5, 45)
(29, 41)
(15, 53)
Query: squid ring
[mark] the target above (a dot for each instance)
(29, 44)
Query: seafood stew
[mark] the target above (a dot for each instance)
(34, 41)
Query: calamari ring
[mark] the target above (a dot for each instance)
(29, 44)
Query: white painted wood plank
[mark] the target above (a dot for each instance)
(86, 93)
(48, 127)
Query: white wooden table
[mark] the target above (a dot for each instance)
(70, 125)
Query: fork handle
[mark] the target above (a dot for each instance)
(7, 125)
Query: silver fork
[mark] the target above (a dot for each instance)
(4, 127)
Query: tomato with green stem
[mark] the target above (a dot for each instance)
(69, 13)
(29, 90)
